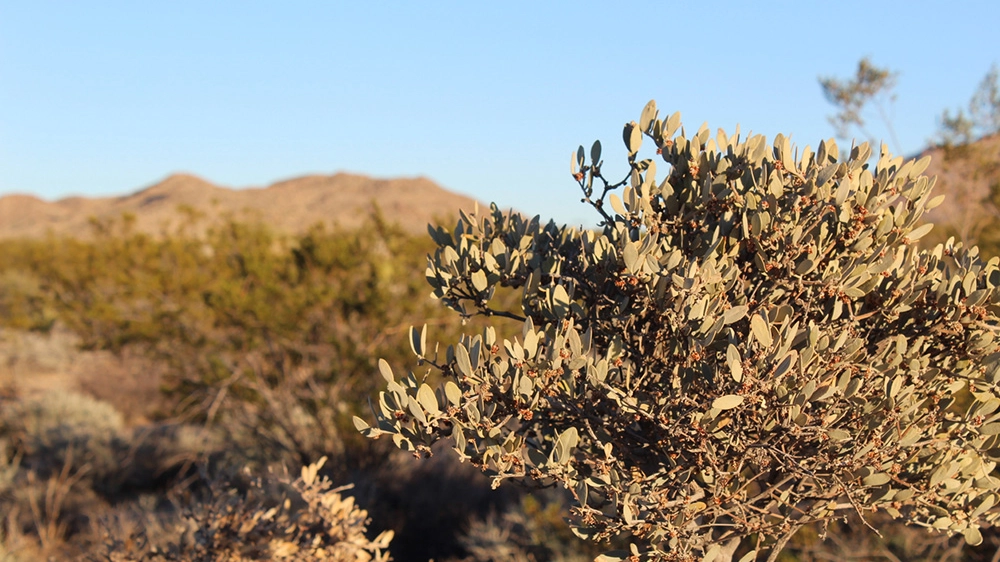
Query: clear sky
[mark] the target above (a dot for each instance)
(487, 99)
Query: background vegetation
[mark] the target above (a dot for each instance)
(254, 350)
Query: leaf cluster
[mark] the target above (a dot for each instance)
(752, 344)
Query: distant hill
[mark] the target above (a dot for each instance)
(969, 177)
(289, 206)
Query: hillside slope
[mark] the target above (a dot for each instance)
(969, 177)
(289, 206)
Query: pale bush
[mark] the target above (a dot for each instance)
(63, 427)
(308, 520)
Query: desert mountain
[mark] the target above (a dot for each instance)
(969, 177)
(289, 206)
(967, 174)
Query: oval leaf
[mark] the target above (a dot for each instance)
(918, 233)
(735, 314)
(973, 537)
(383, 367)
(735, 363)
(427, 399)
(616, 204)
(360, 424)
(462, 360)
(631, 256)
(595, 152)
(564, 445)
(479, 280)
(647, 116)
(633, 137)
(876, 479)
(727, 402)
(418, 341)
(838, 435)
(760, 330)
(453, 393)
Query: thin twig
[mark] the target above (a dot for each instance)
(777, 547)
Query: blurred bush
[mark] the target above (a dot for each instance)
(275, 519)
(63, 428)
(533, 529)
(23, 302)
(263, 347)
(267, 337)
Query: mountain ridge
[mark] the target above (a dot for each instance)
(291, 205)
(969, 175)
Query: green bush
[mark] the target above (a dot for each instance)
(23, 302)
(270, 338)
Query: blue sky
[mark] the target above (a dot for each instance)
(487, 99)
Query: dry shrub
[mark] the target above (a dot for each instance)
(60, 429)
(67, 460)
(69, 452)
(532, 530)
(283, 519)
(12, 541)
(9, 462)
(428, 503)
(751, 345)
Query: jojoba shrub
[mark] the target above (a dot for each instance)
(752, 344)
